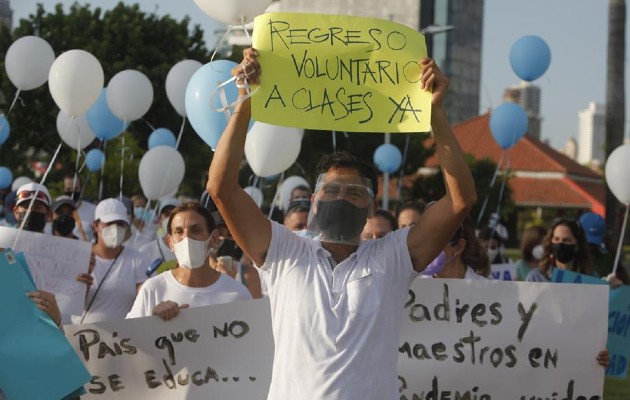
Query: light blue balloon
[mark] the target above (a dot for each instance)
(508, 124)
(162, 137)
(94, 160)
(530, 57)
(209, 124)
(5, 129)
(387, 158)
(102, 120)
(6, 177)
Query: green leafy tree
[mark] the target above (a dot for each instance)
(432, 188)
(121, 38)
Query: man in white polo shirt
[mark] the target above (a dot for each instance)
(336, 301)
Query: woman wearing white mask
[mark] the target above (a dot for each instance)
(117, 271)
(193, 283)
(531, 251)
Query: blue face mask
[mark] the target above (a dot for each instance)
(437, 265)
(138, 213)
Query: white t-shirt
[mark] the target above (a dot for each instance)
(157, 249)
(336, 331)
(118, 290)
(165, 287)
(86, 214)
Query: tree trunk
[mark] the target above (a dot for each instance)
(615, 98)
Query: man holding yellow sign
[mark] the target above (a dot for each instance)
(337, 302)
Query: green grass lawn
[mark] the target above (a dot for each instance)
(617, 389)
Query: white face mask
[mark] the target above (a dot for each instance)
(113, 235)
(492, 253)
(538, 251)
(191, 253)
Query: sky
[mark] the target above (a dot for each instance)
(576, 31)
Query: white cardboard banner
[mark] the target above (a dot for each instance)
(216, 352)
(503, 272)
(58, 261)
(474, 340)
(502, 340)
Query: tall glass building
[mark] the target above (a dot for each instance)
(457, 52)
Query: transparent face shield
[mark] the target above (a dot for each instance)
(341, 206)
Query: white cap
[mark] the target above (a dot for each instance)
(110, 210)
(27, 191)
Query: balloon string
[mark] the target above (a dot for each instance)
(30, 204)
(402, 170)
(76, 164)
(620, 244)
(102, 171)
(181, 131)
(494, 178)
(275, 196)
(4, 120)
(334, 141)
(219, 41)
(122, 159)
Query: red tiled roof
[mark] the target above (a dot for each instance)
(529, 154)
(578, 186)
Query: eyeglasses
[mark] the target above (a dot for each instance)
(29, 194)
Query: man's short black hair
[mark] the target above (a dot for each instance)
(417, 205)
(344, 159)
(301, 205)
(388, 216)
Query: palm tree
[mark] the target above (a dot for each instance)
(615, 96)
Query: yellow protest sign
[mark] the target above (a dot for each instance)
(343, 73)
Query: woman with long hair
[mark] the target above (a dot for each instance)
(564, 247)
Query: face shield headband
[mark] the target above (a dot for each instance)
(341, 207)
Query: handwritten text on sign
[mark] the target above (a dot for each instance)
(219, 352)
(344, 73)
(502, 340)
(57, 261)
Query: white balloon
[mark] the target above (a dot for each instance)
(75, 81)
(28, 62)
(161, 172)
(19, 181)
(233, 12)
(177, 81)
(129, 94)
(617, 168)
(75, 132)
(255, 194)
(287, 186)
(271, 149)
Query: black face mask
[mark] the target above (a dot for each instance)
(340, 220)
(563, 252)
(230, 248)
(64, 225)
(34, 223)
(73, 195)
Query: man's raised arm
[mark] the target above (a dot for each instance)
(249, 227)
(438, 224)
